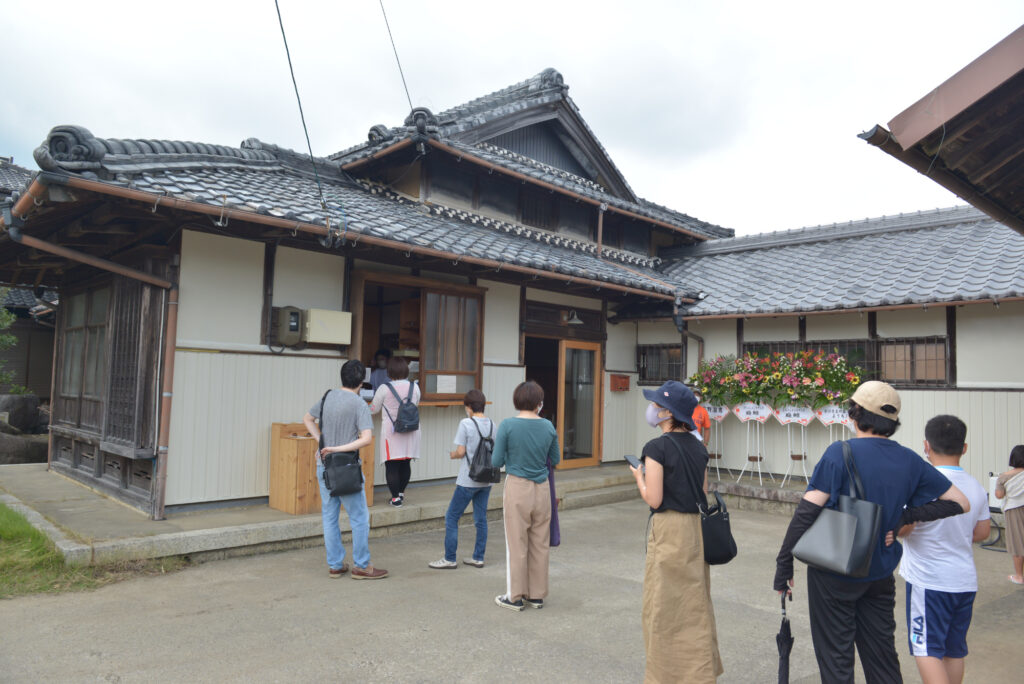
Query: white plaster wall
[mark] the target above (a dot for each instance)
(308, 280)
(623, 418)
(221, 292)
(533, 294)
(660, 332)
(620, 348)
(719, 336)
(912, 322)
(845, 326)
(988, 345)
(501, 322)
(782, 329)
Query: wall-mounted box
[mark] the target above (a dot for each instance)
(323, 326)
(619, 383)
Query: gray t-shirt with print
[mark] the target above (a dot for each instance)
(468, 437)
(346, 414)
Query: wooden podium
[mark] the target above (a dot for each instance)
(293, 485)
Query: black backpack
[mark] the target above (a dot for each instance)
(408, 417)
(480, 468)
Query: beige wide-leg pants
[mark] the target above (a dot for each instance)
(527, 511)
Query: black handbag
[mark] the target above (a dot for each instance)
(844, 540)
(343, 471)
(719, 545)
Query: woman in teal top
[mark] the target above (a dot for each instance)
(525, 445)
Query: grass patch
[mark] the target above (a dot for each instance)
(30, 564)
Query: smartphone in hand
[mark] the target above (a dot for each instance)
(634, 461)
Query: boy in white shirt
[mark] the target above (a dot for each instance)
(938, 563)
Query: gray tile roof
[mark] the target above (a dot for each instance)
(546, 88)
(929, 257)
(13, 178)
(23, 298)
(268, 180)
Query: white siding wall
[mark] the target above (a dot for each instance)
(221, 415)
(225, 402)
(661, 332)
(995, 423)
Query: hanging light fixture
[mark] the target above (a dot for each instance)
(574, 318)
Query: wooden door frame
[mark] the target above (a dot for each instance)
(598, 412)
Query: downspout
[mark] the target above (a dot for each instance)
(167, 393)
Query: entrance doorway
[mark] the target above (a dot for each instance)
(569, 372)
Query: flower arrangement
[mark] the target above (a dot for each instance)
(807, 378)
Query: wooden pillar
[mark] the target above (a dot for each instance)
(600, 228)
(739, 337)
(951, 345)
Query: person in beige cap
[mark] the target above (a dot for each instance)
(847, 612)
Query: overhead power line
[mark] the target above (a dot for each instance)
(397, 60)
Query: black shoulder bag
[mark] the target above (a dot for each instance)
(343, 471)
(480, 468)
(719, 545)
(843, 541)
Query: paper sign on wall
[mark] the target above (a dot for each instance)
(794, 414)
(748, 410)
(831, 414)
(717, 413)
(445, 384)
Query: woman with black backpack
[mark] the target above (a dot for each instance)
(399, 441)
(474, 442)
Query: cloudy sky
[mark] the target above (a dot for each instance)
(744, 114)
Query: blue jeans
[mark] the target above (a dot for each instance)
(461, 499)
(358, 518)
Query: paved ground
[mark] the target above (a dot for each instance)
(278, 617)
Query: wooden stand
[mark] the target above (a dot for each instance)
(294, 487)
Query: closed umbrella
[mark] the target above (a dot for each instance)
(785, 641)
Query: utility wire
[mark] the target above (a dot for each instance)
(400, 72)
(320, 187)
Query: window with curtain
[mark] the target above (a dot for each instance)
(450, 354)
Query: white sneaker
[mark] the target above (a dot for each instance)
(472, 561)
(443, 564)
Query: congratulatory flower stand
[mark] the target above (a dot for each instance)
(793, 387)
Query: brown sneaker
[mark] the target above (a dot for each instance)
(332, 573)
(369, 572)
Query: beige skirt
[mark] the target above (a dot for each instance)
(1014, 520)
(680, 639)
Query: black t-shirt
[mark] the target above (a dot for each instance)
(684, 470)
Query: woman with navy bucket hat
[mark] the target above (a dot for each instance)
(680, 638)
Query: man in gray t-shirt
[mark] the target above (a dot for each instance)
(344, 420)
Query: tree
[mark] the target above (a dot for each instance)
(7, 340)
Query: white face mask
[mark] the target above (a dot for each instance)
(540, 407)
